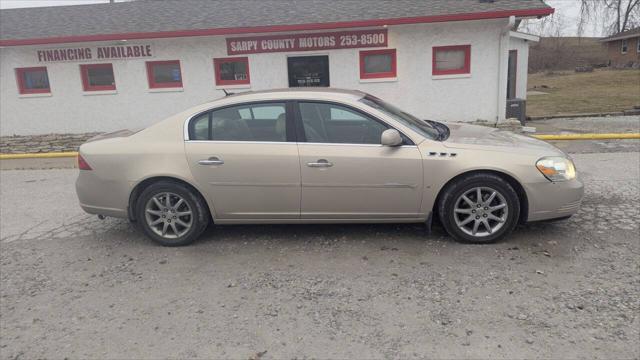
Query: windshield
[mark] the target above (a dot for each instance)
(417, 125)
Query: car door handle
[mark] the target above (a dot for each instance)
(321, 163)
(214, 160)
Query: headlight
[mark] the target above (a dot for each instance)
(556, 168)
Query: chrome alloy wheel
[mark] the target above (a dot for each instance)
(168, 215)
(481, 211)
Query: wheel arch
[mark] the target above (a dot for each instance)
(140, 186)
(519, 189)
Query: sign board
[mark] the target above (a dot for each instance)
(307, 42)
(117, 52)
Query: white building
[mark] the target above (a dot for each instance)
(103, 67)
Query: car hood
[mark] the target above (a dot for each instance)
(482, 137)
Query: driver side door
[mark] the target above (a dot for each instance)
(347, 174)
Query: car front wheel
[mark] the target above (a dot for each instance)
(479, 208)
(171, 214)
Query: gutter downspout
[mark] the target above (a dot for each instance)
(502, 69)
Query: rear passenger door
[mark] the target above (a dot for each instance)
(246, 159)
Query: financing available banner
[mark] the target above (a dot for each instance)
(115, 52)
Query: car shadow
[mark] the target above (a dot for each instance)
(319, 232)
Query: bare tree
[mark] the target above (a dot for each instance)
(615, 15)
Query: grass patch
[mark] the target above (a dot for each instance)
(603, 90)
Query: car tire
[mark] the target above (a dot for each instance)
(488, 220)
(171, 214)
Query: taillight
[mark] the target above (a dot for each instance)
(83, 164)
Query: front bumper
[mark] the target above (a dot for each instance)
(550, 200)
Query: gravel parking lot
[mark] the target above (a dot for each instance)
(73, 286)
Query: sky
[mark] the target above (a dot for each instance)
(567, 11)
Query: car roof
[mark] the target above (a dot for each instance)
(292, 93)
(310, 93)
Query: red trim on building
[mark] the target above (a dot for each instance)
(466, 69)
(281, 28)
(84, 73)
(216, 67)
(388, 74)
(156, 85)
(22, 89)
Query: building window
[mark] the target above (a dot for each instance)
(232, 71)
(33, 80)
(375, 64)
(164, 74)
(449, 60)
(624, 46)
(97, 77)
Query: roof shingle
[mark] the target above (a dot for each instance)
(151, 16)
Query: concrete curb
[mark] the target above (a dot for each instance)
(561, 116)
(587, 136)
(39, 155)
(609, 136)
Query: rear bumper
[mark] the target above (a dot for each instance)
(101, 197)
(551, 200)
(96, 210)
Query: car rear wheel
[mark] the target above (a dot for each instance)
(171, 214)
(479, 208)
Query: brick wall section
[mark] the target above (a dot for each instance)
(18, 144)
(618, 59)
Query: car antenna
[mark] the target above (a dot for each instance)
(226, 93)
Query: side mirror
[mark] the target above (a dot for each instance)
(391, 137)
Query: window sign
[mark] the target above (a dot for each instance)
(175, 74)
(232, 71)
(164, 74)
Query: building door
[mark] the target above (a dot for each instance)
(308, 71)
(512, 74)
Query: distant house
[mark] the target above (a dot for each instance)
(624, 48)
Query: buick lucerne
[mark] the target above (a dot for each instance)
(322, 156)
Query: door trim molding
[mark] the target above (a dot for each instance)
(376, 186)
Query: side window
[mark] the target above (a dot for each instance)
(250, 122)
(200, 127)
(332, 123)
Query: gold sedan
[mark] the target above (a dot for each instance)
(322, 156)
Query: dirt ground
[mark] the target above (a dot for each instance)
(73, 286)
